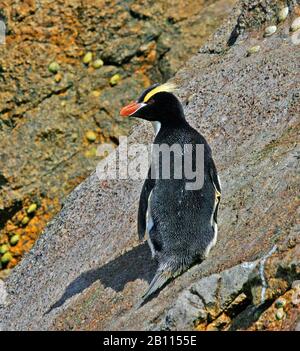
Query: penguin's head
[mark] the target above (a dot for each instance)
(157, 104)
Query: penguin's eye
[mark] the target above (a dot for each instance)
(150, 102)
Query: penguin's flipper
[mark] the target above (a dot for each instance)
(143, 204)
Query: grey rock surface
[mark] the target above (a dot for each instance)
(207, 298)
(88, 271)
(3, 293)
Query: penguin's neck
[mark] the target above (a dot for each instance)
(169, 125)
(175, 120)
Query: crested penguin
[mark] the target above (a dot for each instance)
(180, 223)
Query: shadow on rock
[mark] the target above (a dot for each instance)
(249, 316)
(134, 264)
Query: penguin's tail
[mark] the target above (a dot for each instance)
(163, 275)
(160, 279)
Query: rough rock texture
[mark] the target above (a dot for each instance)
(44, 117)
(207, 298)
(87, 271)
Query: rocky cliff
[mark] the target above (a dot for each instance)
(88, 270)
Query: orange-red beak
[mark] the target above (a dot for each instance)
(130, 109)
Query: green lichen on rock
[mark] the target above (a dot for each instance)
(32, 208)
(253, 50)
(98, 63)
(3, 249)
(6, 258)
(14, 240)
(295, 26)
(282, 14)
(53, 67)
(91, 136)
(87, 58)
(25, 220)
(115, 79)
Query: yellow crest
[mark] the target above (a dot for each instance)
(167, 87)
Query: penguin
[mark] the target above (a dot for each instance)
(180, 223)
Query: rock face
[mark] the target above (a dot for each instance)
(44, 116)
(87, 271)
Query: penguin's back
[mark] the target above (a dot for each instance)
(182, 218)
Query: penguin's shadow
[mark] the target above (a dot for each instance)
(134, 264)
